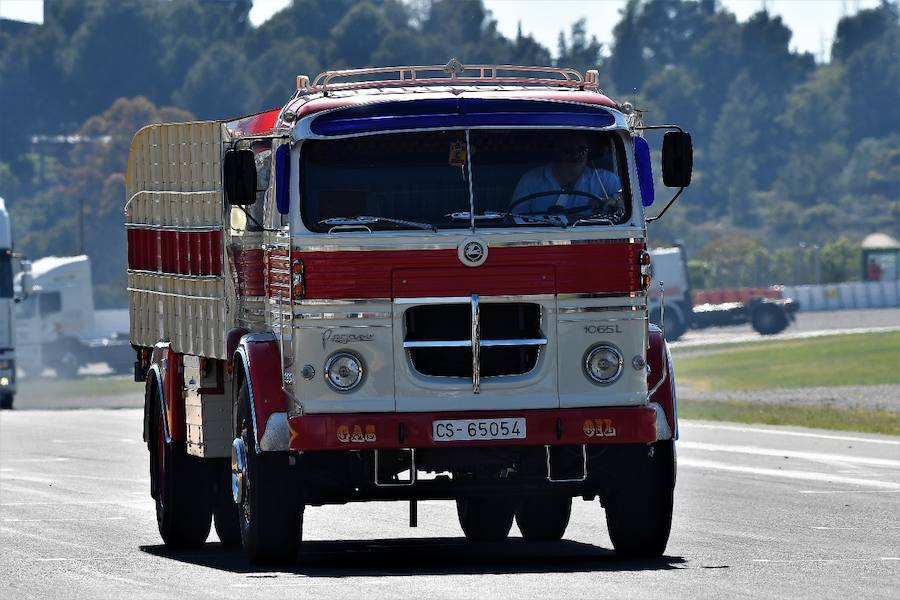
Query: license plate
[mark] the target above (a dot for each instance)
(478, 429)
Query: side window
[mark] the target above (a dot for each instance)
(49, 303)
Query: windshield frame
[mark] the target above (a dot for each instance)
(617, 137)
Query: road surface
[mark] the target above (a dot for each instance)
(761, 512)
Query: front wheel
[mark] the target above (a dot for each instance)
(544, 518)
(269, 512)
(485, 519)
(6, 401)
(639, 509)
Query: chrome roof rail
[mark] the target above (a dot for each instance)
(452, 73)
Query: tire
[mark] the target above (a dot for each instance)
(639, 510)
(181, 487)
(485, 519)
(6, 401)
(675, 325)
(226, 515)
(544, 518)
(768, 319)
(67, 365)
(270, 514)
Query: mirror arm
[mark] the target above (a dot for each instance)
(663, 211)
(645, 127)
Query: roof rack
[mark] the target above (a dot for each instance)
(450, 74)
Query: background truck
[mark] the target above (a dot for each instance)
(58, 328)
(351, 299)
(9, 264)
(765, 309)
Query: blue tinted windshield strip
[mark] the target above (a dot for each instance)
(461, 112)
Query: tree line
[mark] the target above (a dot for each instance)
(787, 150)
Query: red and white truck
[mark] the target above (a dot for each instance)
(407, 283)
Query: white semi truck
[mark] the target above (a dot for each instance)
(57, 326)
(7, 313)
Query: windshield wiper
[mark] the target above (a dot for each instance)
(601, 218)
(494, 216)
(489, 215)
(365, 220)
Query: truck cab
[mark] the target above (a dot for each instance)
(410, 283)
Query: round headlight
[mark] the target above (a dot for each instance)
(343, 371)
(603, 364)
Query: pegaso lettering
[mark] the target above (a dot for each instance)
(330, 336)
(602, 329)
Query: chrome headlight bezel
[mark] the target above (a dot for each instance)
(330, 362)
(592, 352)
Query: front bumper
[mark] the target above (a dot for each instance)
(618, 425)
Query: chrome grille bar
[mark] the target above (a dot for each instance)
(468, 343)
(476, 346)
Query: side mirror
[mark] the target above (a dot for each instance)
(644, 170)
(240, 177)
(677, 159)
(283, 179)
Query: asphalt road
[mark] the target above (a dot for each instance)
(761, 512)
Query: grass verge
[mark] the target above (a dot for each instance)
(857, 359)
(838, 419)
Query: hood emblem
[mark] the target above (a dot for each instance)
(472, 252)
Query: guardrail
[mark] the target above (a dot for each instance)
(839, 296)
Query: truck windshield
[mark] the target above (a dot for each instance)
(421, 180)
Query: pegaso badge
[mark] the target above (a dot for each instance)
(472, 252)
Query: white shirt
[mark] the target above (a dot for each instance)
(597, 182)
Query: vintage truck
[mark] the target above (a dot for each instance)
(407, 283)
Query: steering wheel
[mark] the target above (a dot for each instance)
(556, 209)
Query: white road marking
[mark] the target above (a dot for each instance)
(28, 460)
(63, 520)
(787, 473)
(822, 560)
(812, 456)
(72, 503)
(849, 491)
(844, 438)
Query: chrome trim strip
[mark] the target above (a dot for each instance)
(521, 342)
(344, 302)
(599, 309)
(610, 320)
(476, 346)
(468, 343)
(397, 243)
(467, 299)
(340, 326)
(328, 316)
(439, 344)
(155, 227)
(131, 289)
(179, 276)
(587, 296)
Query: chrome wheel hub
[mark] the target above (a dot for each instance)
(238, 470)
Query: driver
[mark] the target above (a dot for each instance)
(569, 171)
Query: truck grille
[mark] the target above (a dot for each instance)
(474, 340)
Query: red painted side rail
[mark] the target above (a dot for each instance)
(596, 267)
(175, 252)
(380, 430)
